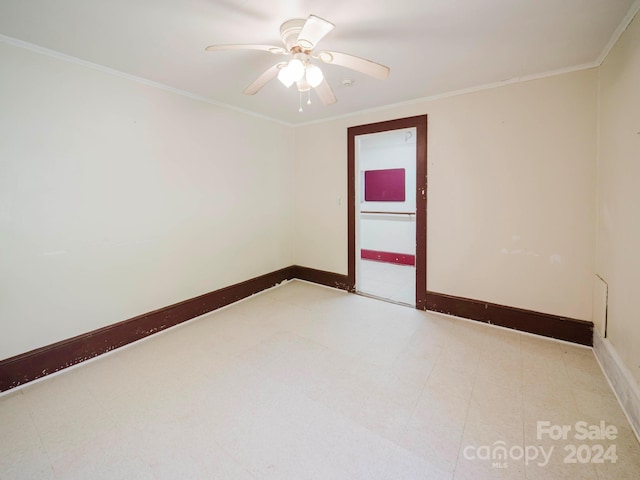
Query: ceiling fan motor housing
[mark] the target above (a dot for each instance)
(290, 30)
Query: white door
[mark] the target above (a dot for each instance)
(385, 171)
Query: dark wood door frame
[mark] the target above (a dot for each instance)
(420, 124)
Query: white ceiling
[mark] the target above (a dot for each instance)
(432, 46)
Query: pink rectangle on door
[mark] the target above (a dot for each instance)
(388, 257)
(384, 185)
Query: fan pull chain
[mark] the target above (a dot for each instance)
(300, 95)
(309, 97)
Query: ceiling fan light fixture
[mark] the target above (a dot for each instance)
(291, 73)
(314, 75)
(296, 69)
(284, 75)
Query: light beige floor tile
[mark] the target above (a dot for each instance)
(386, 280)
(627, 451)
(303, 294)
(438, 446)
(546, 381)
(404, 465)
(106, 466)
(22, 454)
(308, 382)
(485, 438)
(415, 368)
(347, 394)
(384, 416)
(493, 372)
(594, 407)
(495, 400)
(557, 468)
(462, 355)
(554, 413)
(474, 468)
(588, 377)
(31, 466)
(206, 460)
(361, 454)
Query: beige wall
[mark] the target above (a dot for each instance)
(511, 199)
(618, 259)
(118, 198)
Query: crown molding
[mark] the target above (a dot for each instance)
(456, 93)
(112, 71)
(626, 21)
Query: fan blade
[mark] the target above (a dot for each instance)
(325, 93)
(262, 80)
(266, 48)
(314, 30)
(363, 65)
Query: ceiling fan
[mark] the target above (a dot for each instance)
(300, 37)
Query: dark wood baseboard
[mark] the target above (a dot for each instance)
(322, 277)
(43, 361)
(553, 326)
(38, 363)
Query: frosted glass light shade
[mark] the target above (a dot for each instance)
(284, 75)
(314, 75)
(296, 67)
(291, 73)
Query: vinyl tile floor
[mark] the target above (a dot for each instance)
(390, 281)
(305, 382)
